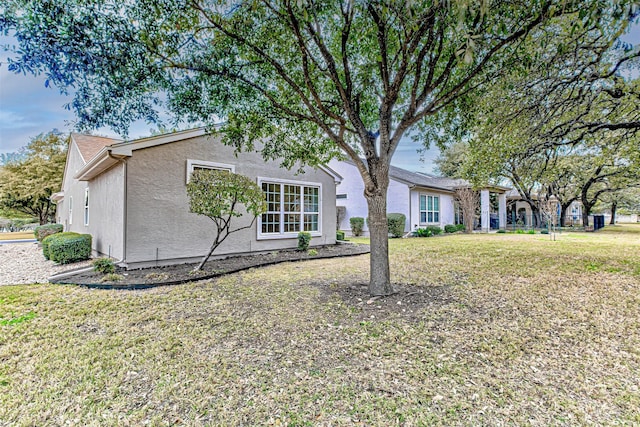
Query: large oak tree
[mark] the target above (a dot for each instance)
(308, 78)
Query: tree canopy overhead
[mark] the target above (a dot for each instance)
(306, 77)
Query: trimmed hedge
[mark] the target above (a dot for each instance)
(339, 235)
(396, 223)
(450, 228)
(52, 238)
(64, 248)
(357, 224)
(43, 231)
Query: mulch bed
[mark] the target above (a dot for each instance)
(183, 273)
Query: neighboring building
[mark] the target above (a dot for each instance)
(131, 197)
(424, 199)
(519, 213)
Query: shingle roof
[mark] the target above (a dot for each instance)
(90, 145)
(426, 180)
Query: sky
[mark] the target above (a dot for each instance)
(28, 108)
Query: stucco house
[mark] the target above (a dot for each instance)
(519, 213)
(131, 197)
(424, 199)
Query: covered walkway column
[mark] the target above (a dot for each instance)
(502, 211)
(484, 210)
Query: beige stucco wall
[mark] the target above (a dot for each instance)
(106, 210)
(73, 194)
(159, 225)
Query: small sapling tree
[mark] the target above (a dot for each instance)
(218, 195)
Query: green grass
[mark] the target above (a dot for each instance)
(524, 331)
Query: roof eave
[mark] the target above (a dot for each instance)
(101, 162)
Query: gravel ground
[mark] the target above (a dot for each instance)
(23, 263)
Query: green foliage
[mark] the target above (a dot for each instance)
(67, 249)
(423, 232)
(532, 231)
(304, 238)
(501, 231)
(46, 230)
(357, 224)
(303, 79)
(27, 184)
(51, 239)
(312, 252)
(218, 195)
(450, 228)
(339, 235)
(519, 231)
(450, 162)
(396, 223)
(17, 320)
(435, 230)
(103, 265)
(460, 227)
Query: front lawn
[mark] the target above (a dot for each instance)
(511, 329)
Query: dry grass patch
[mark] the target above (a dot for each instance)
(487, 330)
(17, 235)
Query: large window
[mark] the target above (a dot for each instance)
(86, 206)
(291, 208)
(429, 209)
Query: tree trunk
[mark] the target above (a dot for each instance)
(380, 279)
(614, 207)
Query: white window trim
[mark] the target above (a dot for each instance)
(427, 195)
(86, 207)
(294, 234)
(70, 210)
(191, 164)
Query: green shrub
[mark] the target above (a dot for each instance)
(43, 231)
(103, 265)
(67, 249)
(312, 252)
(544, 232)
(304, 238)
(450, 228)
(435, 230)
(501, 231)
(339, 235)
(461, 227)
(532, 231)
(519, 231)
(423, 232)
(396, 223)
(52, 238)
(357, 224)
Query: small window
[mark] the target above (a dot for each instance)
(341, 196)
(70, 210)
(202, 164)
(86, 206)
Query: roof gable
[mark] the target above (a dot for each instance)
(90, 145)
